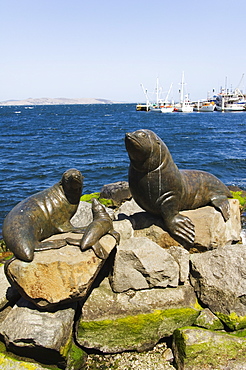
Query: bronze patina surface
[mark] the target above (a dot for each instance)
(41, 215)
(159, 187)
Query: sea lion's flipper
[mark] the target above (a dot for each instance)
(51, 244)
(78, 230)
(73, 241)
(223, 206)
(69, 228)
(100, 251)
(182, 228)
(115, 234)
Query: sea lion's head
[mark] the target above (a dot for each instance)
(145, 149)
(72, 184)
(97, 208)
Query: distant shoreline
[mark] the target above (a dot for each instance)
(57, 101)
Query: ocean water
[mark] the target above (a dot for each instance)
(39, 143)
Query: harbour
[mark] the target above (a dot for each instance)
(226, 100)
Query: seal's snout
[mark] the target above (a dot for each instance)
(128, 136)
(131, 138)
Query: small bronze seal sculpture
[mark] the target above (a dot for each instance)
(42, 215)
(101, 225)
(159, 187)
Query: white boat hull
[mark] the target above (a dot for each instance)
(167, 109)
(162, 110)
(231, 108)
(205, 108)
(155, 110)
(185, 108)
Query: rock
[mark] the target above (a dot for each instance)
(206, 350)
(27, 330)
(76, 358)
(5, 285)
(116, 322)
(127, 209)
(141, 264)
(168, 355)
(219, 279)
(83, 216)
(118, 192)
(104, 304)
(58, 276)
(211, 229)
(124, 228)
(182, 257)
(154, 232)
(8, 294)
(8, 363)
(208, 320)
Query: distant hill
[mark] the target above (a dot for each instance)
(56, 101)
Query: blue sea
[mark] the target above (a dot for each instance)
(39, 143)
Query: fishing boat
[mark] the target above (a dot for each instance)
(159, 105)
(166, 108)
(184, 105)
(162, 105)
(231, 100)
(142, 107)
(204, 106)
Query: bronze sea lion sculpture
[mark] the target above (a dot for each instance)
(101, 225)
(41, 215)
(159, 187)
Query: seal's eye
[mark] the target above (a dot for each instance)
(142, 134)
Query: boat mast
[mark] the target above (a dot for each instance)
(146, 96)
(157, 92)
(166, 99)
(182, 89)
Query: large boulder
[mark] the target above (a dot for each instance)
(115, 322)
(83, 216)
(142, 264)
(28, 330)
(58, 276)
(118, 192)
(207, 350)
(210, 228)
(219, 279)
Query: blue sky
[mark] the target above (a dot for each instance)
(106, 49)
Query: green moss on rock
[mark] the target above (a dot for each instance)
(239, 333)
(139, 332)
(9, 360)
(233, 321)
(88, 198)
(208, 320)
(196, 348)
(76, 358)
(241, 196)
